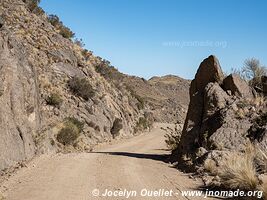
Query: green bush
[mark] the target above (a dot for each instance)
(82, 88)
(33, 6)
(86, 54)
(66, 32)
(54, 100)
(76, 122)
(63, 30)
(144, 123)
(116, 127)
(70, 132)
(79, 42)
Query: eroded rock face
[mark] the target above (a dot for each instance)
(209, 72)
(237, 86)
(19, 113)
(218, 119)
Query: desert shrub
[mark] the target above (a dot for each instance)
(54, 20)
(70, 132)
(76, 122)
(210, 166)
(172, 138)
(116, 127)
(252, 71)
(109, 72)
(263, 188)
(143, 123)
(261, 158)
(86, 54)
(33, 6)
(82, 88)
(66, 32)
(2, 197)
(54, 100)
(63, 30)
(257, 131)
(238, 172)
(79, 42)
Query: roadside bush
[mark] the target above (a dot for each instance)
(54, 100)
(116, 127)
(172, 138)
(82, 88)
(143, 123)
(70, 132)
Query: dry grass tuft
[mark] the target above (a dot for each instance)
(263, 188)
(238, 172)
(261, 158)
(2, 197)
(258, 101)
(210, 166)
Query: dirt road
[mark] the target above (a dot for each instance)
(130, 168)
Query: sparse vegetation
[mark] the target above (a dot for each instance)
(70, 132)
(82, 88)
(252, 71)
(143, 123)
(141, 102)
(257, 131)
(76, 122)
(63, 30)
(108, 71)
(116, 127)
(263, 188)
(86, 54)
(210, 166)
(33, 6)
(79, 42)
(54, 100)
(172, 138)
(239, 172)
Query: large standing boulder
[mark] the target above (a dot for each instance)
(209, 72)
(237, 86)
(216, 121)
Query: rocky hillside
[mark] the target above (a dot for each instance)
(166, 97)
(51, 97)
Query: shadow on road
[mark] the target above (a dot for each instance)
(158, 157)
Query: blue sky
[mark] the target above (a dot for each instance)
(159, 37)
